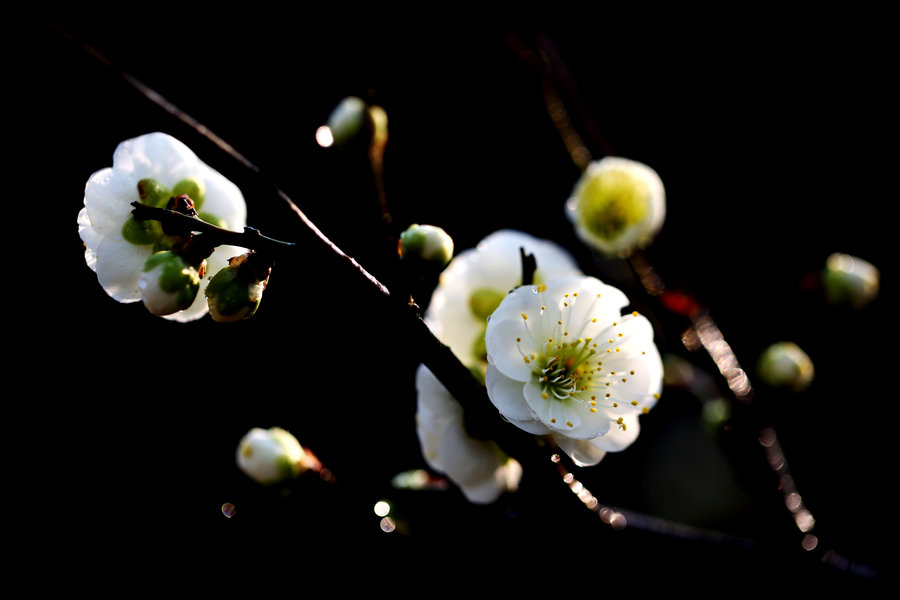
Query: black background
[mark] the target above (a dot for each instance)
(771, 131)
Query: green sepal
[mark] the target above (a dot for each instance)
(153, 193)
(194, 188)
(141, 233)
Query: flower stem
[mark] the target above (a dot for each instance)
(250, 238)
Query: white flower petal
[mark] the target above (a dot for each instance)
(508, 396)
(510, 356)
(582, 452)
(618, 438)
(478, 467)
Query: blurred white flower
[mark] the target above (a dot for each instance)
(479, 467)
(564, 361)
(617, 206)
(475, 282)
(785, 364)
(271, 456)
(849, 279)
(150, 169)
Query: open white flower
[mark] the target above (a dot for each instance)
(617, 206)
(564, 361)
(479, 467)
(150, 169)
(475, 282)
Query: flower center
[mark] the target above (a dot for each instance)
(612, 202)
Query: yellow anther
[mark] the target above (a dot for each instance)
(541, 287)
(524, 316)
(645, 410)
(634, 314)
(569, 423)
(593, 410)
(656, 396)
(634, 402)
(518, 339)
(544, 395)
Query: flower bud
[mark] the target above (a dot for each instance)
(850, 280)
(168, 283)
(271, 456)
(234, 293)
(347, 119)
(428, 243)
(785, 365)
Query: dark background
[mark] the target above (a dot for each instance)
(771, 131)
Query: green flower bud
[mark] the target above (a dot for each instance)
(850, 280)
(347, 120)
(786, 365)
(234, 293)
(427, 243)
(168, 283)
(194, 187)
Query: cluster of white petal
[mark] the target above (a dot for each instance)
(473, 283)
(108, 196)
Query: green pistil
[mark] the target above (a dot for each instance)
(564, 368)
(612, 202)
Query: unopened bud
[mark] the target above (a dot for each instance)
(234, 293)
(786, 365)
(428, 243)
(850, 280)
(346, 121)
(168, 283)
(271, 456)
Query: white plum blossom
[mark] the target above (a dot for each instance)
(481, 470)
(617, 206)
(151, 168)
(564, 361)
(475, 282)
